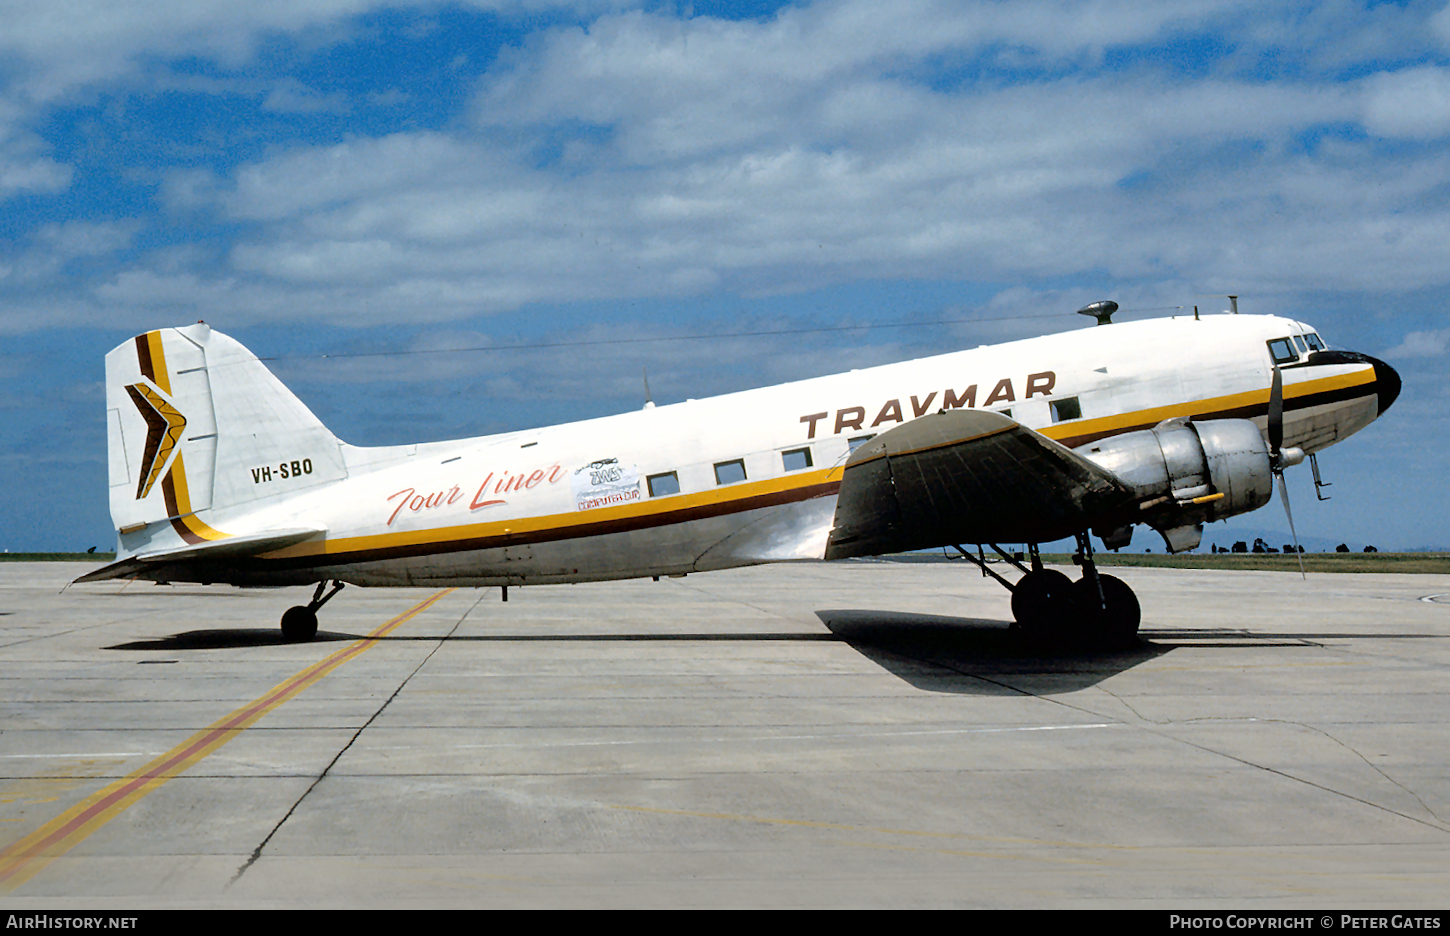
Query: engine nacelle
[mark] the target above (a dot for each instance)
(1189, 473)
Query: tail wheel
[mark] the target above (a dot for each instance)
(299, 624)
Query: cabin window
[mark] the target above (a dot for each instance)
(796, 459)
(1282, 351)
(1066, 408)
(853, 444)
(662, 484)
(730, 472)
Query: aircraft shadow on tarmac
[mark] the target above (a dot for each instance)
(230, 638)
(234, 638)
(969, 655)
(932, 652)
(935, 653)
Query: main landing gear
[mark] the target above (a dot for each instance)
(1049, 607)
(299, 624)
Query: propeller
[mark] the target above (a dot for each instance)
(1281, 458)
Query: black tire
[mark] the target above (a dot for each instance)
(1117, 624)
(299, 624)
(1042, 602)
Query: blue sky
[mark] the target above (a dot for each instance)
(321, 178)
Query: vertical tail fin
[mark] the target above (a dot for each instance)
(197, 425)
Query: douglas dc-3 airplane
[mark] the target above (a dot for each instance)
(219, 474)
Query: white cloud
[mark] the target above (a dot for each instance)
(1022, 181)
(1414, 103)
(1431, 343)
(24, 167)
(62, 45)
(1440, 26)
(55, 245)
(652, 156)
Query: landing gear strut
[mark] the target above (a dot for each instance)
(299, 624)
(1049, 606)
(1042, 600)
(1108, 606)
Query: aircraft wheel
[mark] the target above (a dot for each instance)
(299, 624)
(1117, 624)
(1042, 602)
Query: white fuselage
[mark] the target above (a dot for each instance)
(575, 502)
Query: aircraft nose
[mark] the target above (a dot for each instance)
(1386, 382)
(1386, 379)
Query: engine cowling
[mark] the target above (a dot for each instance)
(1186, 474)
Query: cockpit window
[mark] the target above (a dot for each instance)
(1282, 351)
(1314, 343)
(1299, 340)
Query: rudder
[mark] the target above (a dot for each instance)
(196, 426)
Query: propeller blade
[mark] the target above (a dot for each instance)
(1284, 496)
(1276, 415)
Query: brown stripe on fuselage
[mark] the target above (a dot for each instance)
(571, 531)
(1250, 411)
(424, 545)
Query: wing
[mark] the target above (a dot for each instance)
(966, 476)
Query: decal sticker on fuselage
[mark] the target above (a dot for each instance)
(605, 483)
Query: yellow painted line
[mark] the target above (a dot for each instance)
(24, 859)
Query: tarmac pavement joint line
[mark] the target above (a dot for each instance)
(23, 859)
(257, 852)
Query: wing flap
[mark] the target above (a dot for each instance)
(966, 476)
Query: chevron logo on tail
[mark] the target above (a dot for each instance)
(164, 424)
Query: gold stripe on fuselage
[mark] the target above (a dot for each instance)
(1252, 399)
(525, 529)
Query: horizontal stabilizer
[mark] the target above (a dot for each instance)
(966, 476)
(234, 547)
